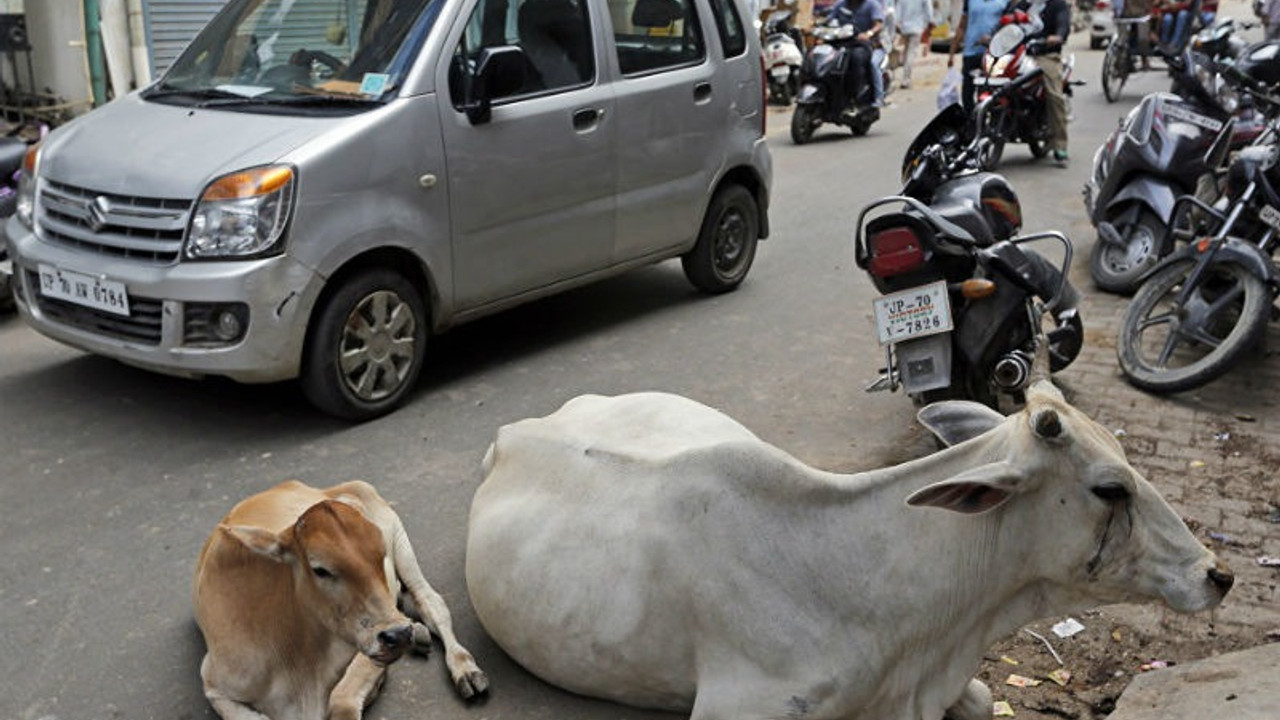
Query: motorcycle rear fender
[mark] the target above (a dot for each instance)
(1236, 250)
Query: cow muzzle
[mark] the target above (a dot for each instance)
(1221, 577)
(392, 642)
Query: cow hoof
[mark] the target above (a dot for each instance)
(472, 684)
(421, 640)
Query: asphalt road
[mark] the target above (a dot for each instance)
(113, 477)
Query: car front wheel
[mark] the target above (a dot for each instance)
(366, 346)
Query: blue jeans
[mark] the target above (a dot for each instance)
(877, 78)
(1173, 29)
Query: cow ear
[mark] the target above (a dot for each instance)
(262, 542)
(955, 421)
(975, 491)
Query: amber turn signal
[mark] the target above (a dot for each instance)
(977, 288)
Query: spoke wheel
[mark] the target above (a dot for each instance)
(1115, 68)
(368, 346)
(1171, 340)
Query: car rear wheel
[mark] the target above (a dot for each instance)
(366, 346)
(726, 245)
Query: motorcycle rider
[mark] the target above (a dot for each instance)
(867, 18)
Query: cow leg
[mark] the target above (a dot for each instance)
(357, 689)
(468, 678)
(974, 703)
(227, 708)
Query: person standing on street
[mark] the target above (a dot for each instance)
(978, 20)
(1055, 19)
(914, 16)
(1270, 16)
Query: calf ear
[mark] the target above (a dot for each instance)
(262, 542)
(955, 421)
(971, 492)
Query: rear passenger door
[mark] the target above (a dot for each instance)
(674, 102)
(531, 192)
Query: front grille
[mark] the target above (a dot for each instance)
(142, 325)
(145, 229)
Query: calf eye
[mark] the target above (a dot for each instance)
(1111, 492)
(321, 572)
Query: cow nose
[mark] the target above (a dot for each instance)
(396, 638)
(1222, 577)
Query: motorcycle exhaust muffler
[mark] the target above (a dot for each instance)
(1013, 371)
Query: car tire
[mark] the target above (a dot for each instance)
(366, 346)
(726, 244)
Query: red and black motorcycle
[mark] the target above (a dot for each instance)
(1010, 95)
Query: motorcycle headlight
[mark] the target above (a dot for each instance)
(26, 207)
(999, 66)
(1226, 95)
(242, 214)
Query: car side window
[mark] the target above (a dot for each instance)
(656, 34)
(554, 36)
(732, 37)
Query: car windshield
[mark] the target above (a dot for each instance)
(299, 56)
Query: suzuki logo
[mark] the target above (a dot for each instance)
(99, 208)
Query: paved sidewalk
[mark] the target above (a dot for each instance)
(1243, 685)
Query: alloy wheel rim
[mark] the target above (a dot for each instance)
(377, 347)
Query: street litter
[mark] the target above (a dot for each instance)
(1197, 463)
(1042, 639)
(1269, 561)
(1115, 635)
(1021, 681)
(1067, 628)
(1222, 436)
(1154, 665)
(1007, 659)
(1222, 538)
(1246, 418)
(1062, 676)
(1002, 709)
(1120, 432)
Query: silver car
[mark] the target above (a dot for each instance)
(311, 194)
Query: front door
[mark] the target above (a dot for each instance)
(531, 191)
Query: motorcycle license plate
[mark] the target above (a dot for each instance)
(780, 72)
(920, 311)
(88, 290)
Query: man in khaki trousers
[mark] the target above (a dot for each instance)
(1055, 16)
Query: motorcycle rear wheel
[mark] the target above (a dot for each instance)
(1117, 270)
(1165, 346)
(804, 120)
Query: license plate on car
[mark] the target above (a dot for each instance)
(920, 311)
(90, 291)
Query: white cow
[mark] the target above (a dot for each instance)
(650, 550)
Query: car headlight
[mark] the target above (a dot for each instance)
(242, 214)
(26, 206)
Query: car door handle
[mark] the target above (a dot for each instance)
(702, 92)
(587, 118)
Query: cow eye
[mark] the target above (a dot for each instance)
(1111, 492)
(321, 572)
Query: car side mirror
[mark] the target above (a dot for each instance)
(499, 72)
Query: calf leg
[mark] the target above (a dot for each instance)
(467, 676)
(974, 703)
(227, 708)
(357, 689)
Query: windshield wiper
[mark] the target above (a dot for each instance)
(207, 93)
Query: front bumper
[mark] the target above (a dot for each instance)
(279, 293)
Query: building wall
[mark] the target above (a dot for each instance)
(55, 29)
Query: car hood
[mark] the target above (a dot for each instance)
(149, 149)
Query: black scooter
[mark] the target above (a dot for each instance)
(836, 85)
(964, 302)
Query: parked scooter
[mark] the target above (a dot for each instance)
(1013, 86)
(1201, 309)
(835, 87)
(782, 56)
(965, 302)
(1168, 146)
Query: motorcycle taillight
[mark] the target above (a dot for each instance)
(894, 251)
